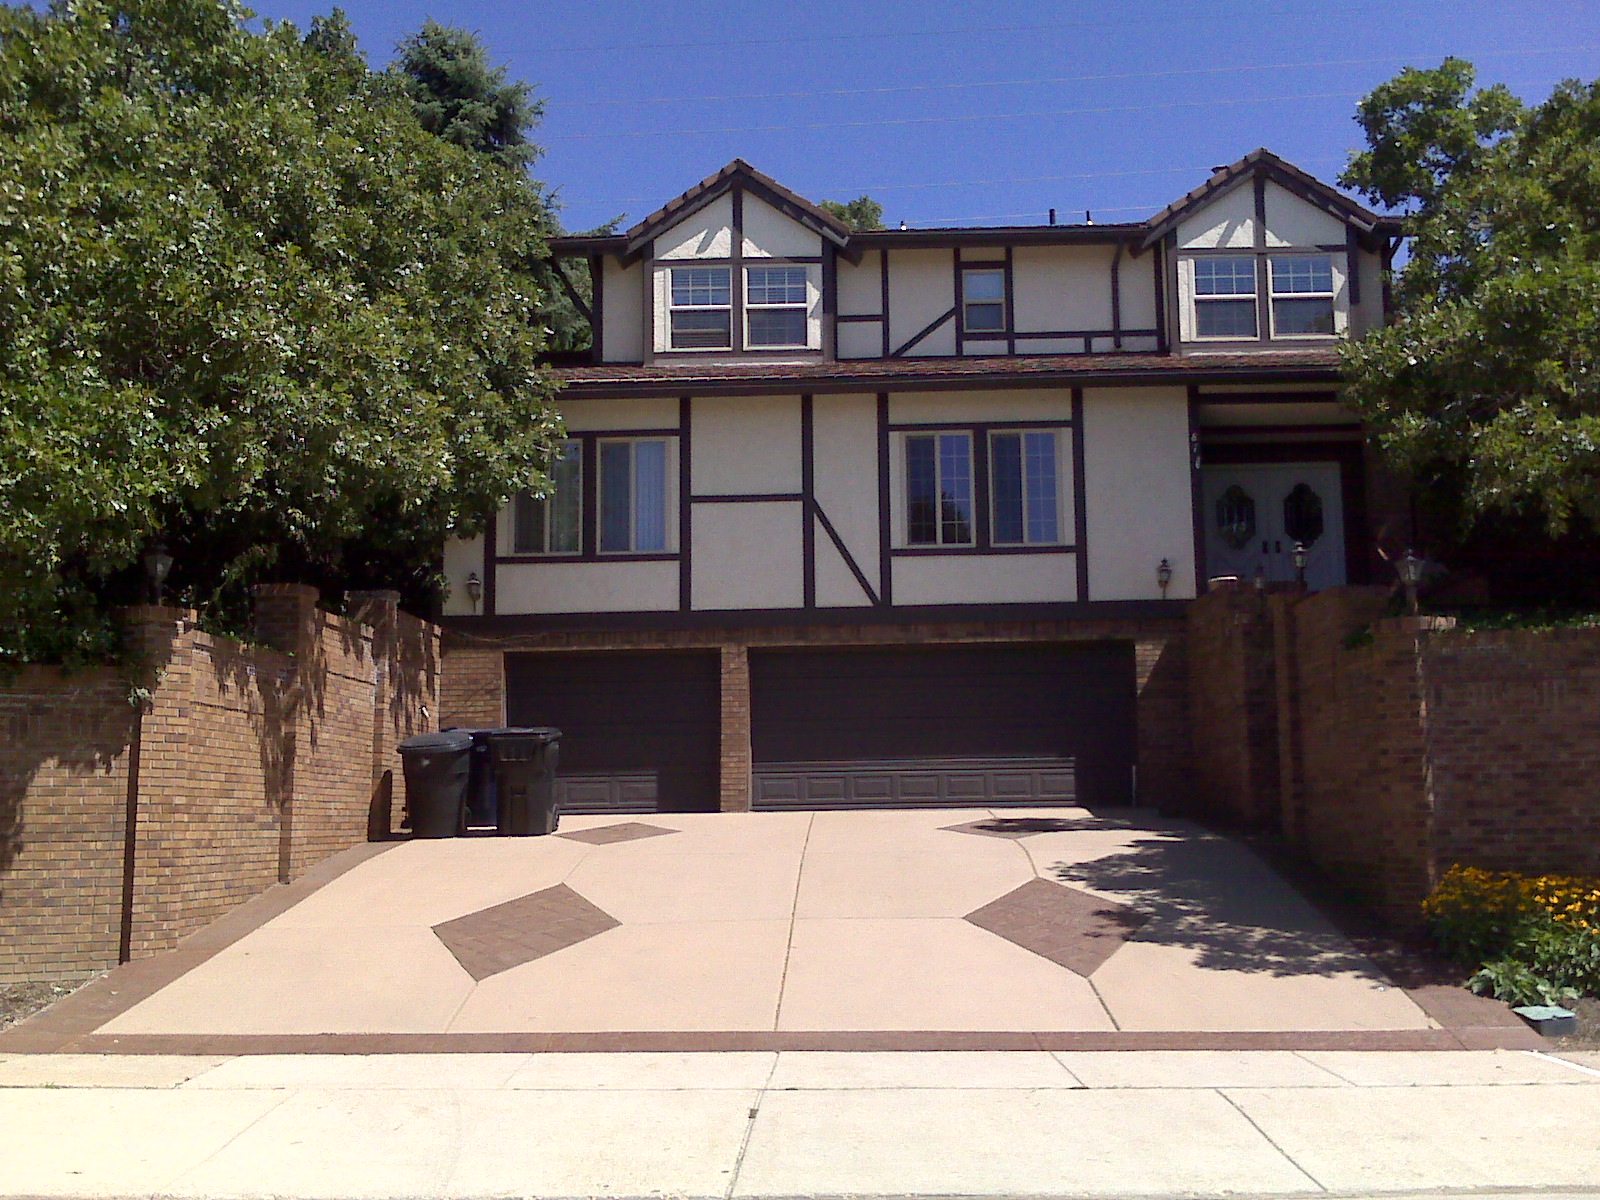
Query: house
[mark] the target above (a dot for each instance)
(913, 516)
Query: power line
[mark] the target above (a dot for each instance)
(1060, 79)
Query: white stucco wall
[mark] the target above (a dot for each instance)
(587, 416)
(921, 288)
(860, 285)
(1061, 287)
(747, 556)
(1044, 404)
(462, 557)
(1228, 221)
(1368, 315)
(622, 312)
(846, 482)
(745, 444)
(1137, 492)
(1293, 222)
(565, 587)
(837, 586)
(985, 579)
(768, 233)
(705, 234)
(859, 339)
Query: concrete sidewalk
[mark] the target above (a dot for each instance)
(1148, 1123)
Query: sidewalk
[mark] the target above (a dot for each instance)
(758, 1124)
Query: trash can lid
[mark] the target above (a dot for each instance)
(547, 733)
(450, 739)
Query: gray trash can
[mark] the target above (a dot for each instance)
(525, 779)
(436, 767)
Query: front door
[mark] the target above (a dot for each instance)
(1255, 513)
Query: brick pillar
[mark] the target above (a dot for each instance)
(285, 615)
(472, 687)
(379, 612)
(286, 619)
(736, 757)
(1162, 720)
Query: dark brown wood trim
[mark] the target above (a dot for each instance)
(1352, 267)
(1023, 335)
(1263, 276)
(844, 553)
(623, 435)
(597, 292)
(883, 263)
(982, 549)
(491, 553)
(808, 497)
(589, 517)
(926, 330)
(1011, 305)
(685, 498)
(555, 560)
(850, 317)
(1116, 297)
(1159, 257)
(982, 502)
(1343, 429)
(1196, 492)
(1252, 397)
(736, 271)
(1080, 508)
(130, 837)
(748, 498)
(885, 500)
(657, 324)
(958, 290)
(982, 426)
(830, 300)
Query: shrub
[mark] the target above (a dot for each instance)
(1525, 936)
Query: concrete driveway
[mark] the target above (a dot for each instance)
(862, 930)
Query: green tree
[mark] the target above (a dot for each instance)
(247, 303)
(1485, 388)
(863, 214)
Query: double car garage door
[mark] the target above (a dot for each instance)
(959, 726)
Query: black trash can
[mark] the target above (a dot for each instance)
(525, 779)
(436, 767)
(481, 797)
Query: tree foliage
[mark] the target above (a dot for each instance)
(249, 304)
(1485, 387)
(863, 214)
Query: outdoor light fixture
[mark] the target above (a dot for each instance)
(157, 566)
(1409, 569)
(1164, 576)
(1299, 558)
(474, 590)
(1261, 580)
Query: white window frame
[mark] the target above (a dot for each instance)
(1331, 296)
(1197, 301)
(967, 328)
(1057, 441)
(940, 542)
(802, 306)
(574, 446)
(669, 501)
(673, 308)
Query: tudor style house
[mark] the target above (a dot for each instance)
(912, 516)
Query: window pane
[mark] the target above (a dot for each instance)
(1225, 318)
(615, 496)
(566, 499)
(986, 316)
(1225, 276)
(527, 524)
(700, 286)
(1041, 476)
(955, 488)
(1302, 273)
(710, 330)
(1006, 480)
(983, 285)
(777, 285)
(922, 492)
(650, 495)
(777, 326)
(1290, 317)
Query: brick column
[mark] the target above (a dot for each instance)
(472, 687)
(378, 612)
(1162, 720)
(736, 757)
(285, 614)
(286, 619)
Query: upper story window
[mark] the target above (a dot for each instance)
(775, 306)
(1022, 482)
(633, 495)
(983, 301)
(551, 524)
(939, 489)
(701, 308)
(1302, 295)
(1225, 297)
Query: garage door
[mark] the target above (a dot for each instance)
(639, 730)
(952, 726)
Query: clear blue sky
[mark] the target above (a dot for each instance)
(956, 112)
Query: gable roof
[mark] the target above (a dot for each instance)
(790, 204)
(1263, 162)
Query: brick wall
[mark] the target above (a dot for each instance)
(244, 766)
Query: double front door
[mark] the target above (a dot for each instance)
(1256, 513)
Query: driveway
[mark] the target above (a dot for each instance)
(747, 931)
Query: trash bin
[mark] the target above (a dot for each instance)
(525, 778)
(481, 798)
(436, 767)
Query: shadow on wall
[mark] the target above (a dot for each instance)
(1215, 897)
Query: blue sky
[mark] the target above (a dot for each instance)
(954, 112)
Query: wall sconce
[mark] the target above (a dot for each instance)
(474, 590)
(1163, 577)
(1409, 569)
(1299, 559)
(157, 566)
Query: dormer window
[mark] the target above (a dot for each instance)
(1225, 297)
(983, 301)
(702, 308)
(1302, 295)
(775, 307)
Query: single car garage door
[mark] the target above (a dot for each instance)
(639, 730)
(941, 726)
